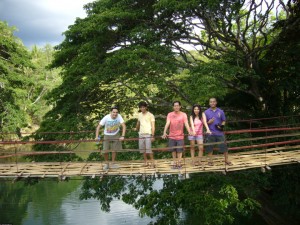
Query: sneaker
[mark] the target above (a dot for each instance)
(105, 167)
(114, 166)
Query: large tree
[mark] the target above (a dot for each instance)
(14, 60)
(127, 50)
(24, 82)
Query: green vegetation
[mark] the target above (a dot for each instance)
(24, 81)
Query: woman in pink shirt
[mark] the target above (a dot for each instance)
(197, 119)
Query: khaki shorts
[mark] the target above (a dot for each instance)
(145, 143)
(112, 143)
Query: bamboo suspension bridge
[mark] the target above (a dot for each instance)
(262, 147)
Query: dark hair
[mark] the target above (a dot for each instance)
(177, 102)
(193, 113)
(143, 104)
(114, 107)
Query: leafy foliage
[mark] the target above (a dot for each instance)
(14, 59)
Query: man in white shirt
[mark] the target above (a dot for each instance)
(112, 139)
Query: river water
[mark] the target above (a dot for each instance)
(50, 202)
(53, 202)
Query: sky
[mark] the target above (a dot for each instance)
(41, 22)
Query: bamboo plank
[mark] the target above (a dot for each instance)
(241, 161)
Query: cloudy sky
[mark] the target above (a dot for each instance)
(41, 21)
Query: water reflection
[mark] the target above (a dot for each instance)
(72, 211)
(52, 202)
(247, 197)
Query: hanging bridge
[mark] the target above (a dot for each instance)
(262, 147)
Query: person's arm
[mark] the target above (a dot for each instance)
(152, 130)
(205, 123)
(187, 126)
(123, 131)
(192, 125)
(211, 120)
(166, 128)
(137, 126)
(223, 118)
(97, 131)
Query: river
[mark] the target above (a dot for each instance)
(50, 202)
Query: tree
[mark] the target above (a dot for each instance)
(24, 82)
(125, 51)
(214, 198)
(235, 33)
(43, 79)
(14, 61)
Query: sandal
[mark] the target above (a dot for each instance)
(228, 163)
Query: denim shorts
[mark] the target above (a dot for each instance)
(211, 139)
(173, 143)
(195, 138)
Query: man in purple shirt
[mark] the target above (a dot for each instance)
(216, 121)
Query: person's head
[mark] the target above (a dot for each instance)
(196, 111)
(143, 106)
(213, 102)
(176, 106)
(114, 111)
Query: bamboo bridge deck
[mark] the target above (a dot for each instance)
(241, 161)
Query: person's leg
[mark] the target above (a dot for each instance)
(179, 157)
(172, 144)
(224, 149)
(148, 150)
(192, 144)
(116, 146)
(142, 147)
(226, 158)
(105, 149)
(210, 148)
(113, 156)
(200, 147)
(106, 157)
(179, 150)
(151, 159)
(145, 158)
(174, 156)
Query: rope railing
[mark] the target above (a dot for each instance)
(132, 129)
(137, 138)
(261, 141)
(259, 156)
(164, 149)
(161, 149)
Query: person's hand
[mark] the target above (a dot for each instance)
(211, 120)
(208, 132)
(121, 138)
(191, 133)
(220, 127)
(152, 139)
(164, 136)
(97, 139)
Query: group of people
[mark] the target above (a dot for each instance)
(213, 119)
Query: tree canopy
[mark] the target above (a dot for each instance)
(14, 60)
(24, 82)
(125, 51)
